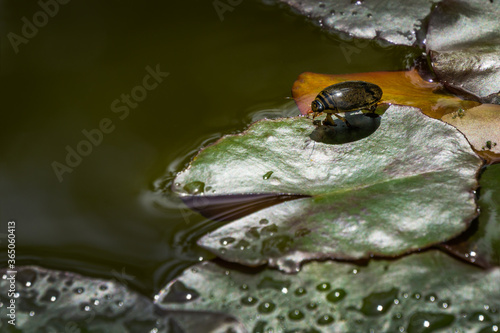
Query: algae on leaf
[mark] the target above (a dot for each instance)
(407, 186)
(425, 292)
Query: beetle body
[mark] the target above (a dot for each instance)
(346, 96)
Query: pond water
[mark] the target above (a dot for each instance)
(65, 91)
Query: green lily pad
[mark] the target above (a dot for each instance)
(463, 40)
(397, 22)
(57, 301)
(426, 292)
(407, 186)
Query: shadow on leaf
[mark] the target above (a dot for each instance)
(362, 126)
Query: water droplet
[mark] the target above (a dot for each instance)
(50, 295)
(431, 298)
(295, 315)
(312, 306)
(244, 287)
(332, 12)
(325, 320)
(85, 307)
(248, 300)
(226, 241)
(276, 245)
(195, 187)
(266, 307)
(479, 317)
(119, 303)
(179, 293)
(275, 284)
(260, 327)
(325, 286)
(302, 232)
(78, 290)
(336, 296)
(416, 296)
(354, 271)
(397, 315)
(369, 15)
(269, 230)
(300, 291)
(242, 245)
(267, 175)
(445, 304)
(103, 287)
(253, 232)
(264, 221)
(378, 303)
(429, 322)
(32, 313)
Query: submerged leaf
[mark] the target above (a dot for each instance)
(418, 293)
(58, 301)
(481, 126)
(408, 185)
(464, 43)
(397, 22)
(402, 87)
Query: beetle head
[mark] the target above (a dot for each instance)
(317, 106)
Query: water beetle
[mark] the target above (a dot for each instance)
(346, 96)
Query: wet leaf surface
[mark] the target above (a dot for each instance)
(481, 126)
(401, 87)
(464, 43)
(482, 245)
(57, 301)
(396, 22)
(426, 292)
(407, 186)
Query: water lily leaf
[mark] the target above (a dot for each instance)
(482, 244)
(396, 22)
(463, 40)
(426, 292)
(401, 87)
(408, 185)
(57, 301)
(481, 126)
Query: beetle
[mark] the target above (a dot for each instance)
(346, 96)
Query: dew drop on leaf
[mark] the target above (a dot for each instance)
(378, 303)
(336, 296)
(195, 187)
(266, 307)
(226, 241)
(325, 286)
(249, 300)
(325, 320)
(295, 314)
(267, 175)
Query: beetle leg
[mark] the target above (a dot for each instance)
(329, 118)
